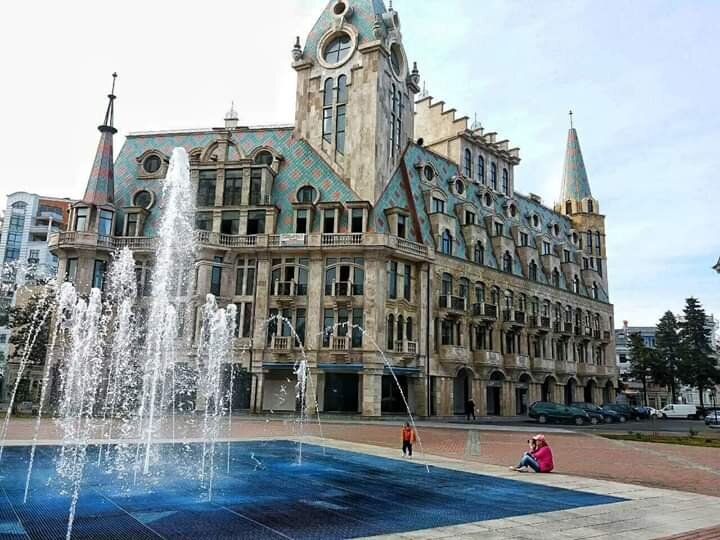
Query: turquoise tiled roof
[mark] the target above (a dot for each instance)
(100, 186)
(301, 165)
(575, 184)
(362, 18)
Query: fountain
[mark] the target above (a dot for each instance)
(120, 375)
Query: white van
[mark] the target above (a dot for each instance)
(679, 410)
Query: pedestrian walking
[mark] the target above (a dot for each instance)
(408, 438)
(470, 409)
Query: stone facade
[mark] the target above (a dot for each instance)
(377, 246)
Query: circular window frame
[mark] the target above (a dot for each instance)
(152, 198)
(433, 173)
(316, 198)
(397, 46)
(459, 192)
(148, 158)
(485, 196)
(328, 37)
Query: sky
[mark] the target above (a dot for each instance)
(641, 77)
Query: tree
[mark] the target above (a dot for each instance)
(23, 321)
(667, 343)
(643, 361)
(696, 364)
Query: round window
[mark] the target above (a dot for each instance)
(152, 164)
(143, 199)
(337, 49)
(396, 59)
(488, 200)
(513, 211)
(306, 194)
(459, 187)
(429, 173)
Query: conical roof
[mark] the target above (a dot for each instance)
(575, 184)
(101, 185)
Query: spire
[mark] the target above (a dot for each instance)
(100, 186)
(575, 184)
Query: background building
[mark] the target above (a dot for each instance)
(377, 211)
(24, 255)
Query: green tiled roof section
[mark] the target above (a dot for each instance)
(575, 183)
(362, 18)
(301, 166)
(395, 196)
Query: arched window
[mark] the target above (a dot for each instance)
(522, 302)
(400, 328)
(598, 249)
(507, 262)
(509, 299)
(533, 271)
(447, 241)
(576, 285)
(408, 329)
(590, 206)
(288, 277)
(488, 199)
(463, 287)
(535, 306)
(568, 207)
(340, 114)
(495, 296)
(264, 158)
(555, 277)
(481, 169)
(493, 176)
(589, 241)
(479, 253)
(468, 163)
(306, 194)
(447, 284)
(390, 332)
(327, 127)
(505, 181)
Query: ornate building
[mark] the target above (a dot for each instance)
(378, 211)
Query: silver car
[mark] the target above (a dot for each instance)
(713, 419)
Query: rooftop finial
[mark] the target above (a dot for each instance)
(110, 111)
(231, 117)
(570, 113)
(390, 8)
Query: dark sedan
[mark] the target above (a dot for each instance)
(605, 415)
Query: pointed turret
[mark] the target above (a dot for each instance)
(575, 184)
(100, 186)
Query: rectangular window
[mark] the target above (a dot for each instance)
(203, 221)
(402, 226)
(300, 326)
(356, 220)
(216, 277)
(256, 222)
(407, 282)
(357, 321)
(147, 283)
(546, 248)
(105, 223)
(233, 187)
(586, 265)
(598, 263)
(301, 221)
(469, 218)
(392, 280)
(498, 229)
(71, 270)
(255, 186)
(327, 125)
(99, 275)
(340, 130)
(247, 319)
(446, 329)
(524, 239)
(328, 221)
(230, 223)
(34, 256)
(438, 206)
(81, 219)
(206, 188)
(328, 323)
(566, 255)
(132, 225)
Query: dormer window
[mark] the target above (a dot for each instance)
(301, 221)
(329, 221)
(143, 199)
(498, 228)
(402, 226)
(469, 217)
(357, 220)
(546, 248)
(105, 218)
(566, 256)
(306, 194)
(152, 164)
(264, 158)
(524, 239)
(438, 206)
(81, 219)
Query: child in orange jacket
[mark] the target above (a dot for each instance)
(408, 438)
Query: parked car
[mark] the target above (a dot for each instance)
(545, 411)
(713, 419)
(625, 412)
(704, 411)
(647, 412)
(26, 407)
(680, 410)
(602, 415)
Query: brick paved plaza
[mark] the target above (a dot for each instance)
(643, 472)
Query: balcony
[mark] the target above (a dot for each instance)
(342, 240)
(567, 329)
(339, 345)
(488, 358)
(281, 344)
(484, 311)
(452, 303)
(513, 317)
(409, 348)
(342, 289)
(557, 327)
(135, 243)
(543, 364)
(80, 240)
(596, 334)
(587, 331)
(284, 288)
(545, 323)
(516, 361)
(587, 369)
(569, 368)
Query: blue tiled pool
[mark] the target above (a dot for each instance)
(333, 494)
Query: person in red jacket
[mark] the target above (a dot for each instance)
(408, 438)
(539, 458)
